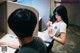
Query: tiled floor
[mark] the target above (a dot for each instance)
(72, 44)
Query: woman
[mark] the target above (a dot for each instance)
(57, 27)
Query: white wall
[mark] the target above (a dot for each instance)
(25, 2)
(43, 7)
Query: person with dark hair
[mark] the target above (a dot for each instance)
(57, 27)
(23, 22)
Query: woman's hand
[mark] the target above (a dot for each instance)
(49, 23)
(61, 39)
(50, 32)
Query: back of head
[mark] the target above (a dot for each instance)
(22, 22)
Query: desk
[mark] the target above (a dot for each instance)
(9, 38)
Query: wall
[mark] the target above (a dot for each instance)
(73, 13)
(52, 7)
(25, 2)
(43, 7)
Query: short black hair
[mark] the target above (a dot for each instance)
(22, 22)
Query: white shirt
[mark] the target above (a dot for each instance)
(57, 28)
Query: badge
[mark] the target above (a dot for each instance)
(55, 27)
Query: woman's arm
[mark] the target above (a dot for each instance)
(61, 39)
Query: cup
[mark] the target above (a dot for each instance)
(4, 48)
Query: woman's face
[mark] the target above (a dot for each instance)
(58, 17)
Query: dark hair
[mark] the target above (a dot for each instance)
(22, 22)
(61, 11)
